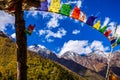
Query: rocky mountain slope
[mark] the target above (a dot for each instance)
(95, 62)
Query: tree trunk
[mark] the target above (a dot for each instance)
(21, 41)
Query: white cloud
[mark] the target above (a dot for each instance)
(54, 18)
(107, 19)
(61, 32)
(6, 19)
(76, 31)
(97, 45)
(50, 40)
(42, 32)
(45, 14)
(32, 13)
(75, 46)
(79, 3)
(48, 33)
(81, 47)
(53, 23)
(13, 35)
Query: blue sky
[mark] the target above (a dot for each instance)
(60, 33)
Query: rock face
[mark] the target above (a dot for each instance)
(95, 62)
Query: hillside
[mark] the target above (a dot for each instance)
(39, 68)
(68, 60)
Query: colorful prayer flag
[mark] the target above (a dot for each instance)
(82, 17)
(97, 25)
(102, 30)
(76, 13)
(113, 45)
(107, 33)
(113, 41)
(54, 6)
(90, 20)
(43, 6)
(30, 29)
(65, 9)
(118, 41)
(27, 32)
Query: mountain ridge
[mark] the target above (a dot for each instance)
(94, 61)
(79, 69)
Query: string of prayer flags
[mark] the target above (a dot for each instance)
(82, 17)
(54, 6)
(76, 13)
(65, 9)
(90, 20)
(30, 29)
(43, 6)
(97, 25)
(107, 33)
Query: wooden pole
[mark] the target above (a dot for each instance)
(108, 66)
(21, 41)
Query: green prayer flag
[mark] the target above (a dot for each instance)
(65, 10)
(27, 32)
(102, 30)
(118, 41)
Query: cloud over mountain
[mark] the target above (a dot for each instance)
(83, 46)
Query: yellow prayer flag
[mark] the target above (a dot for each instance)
(97, 25)
(54, 6)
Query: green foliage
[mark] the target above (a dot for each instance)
(39, 68)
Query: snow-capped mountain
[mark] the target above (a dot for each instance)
(43, 51)
(70, 55)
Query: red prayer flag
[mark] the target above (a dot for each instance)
(107, 33)
(30, 27)
(76, 13)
